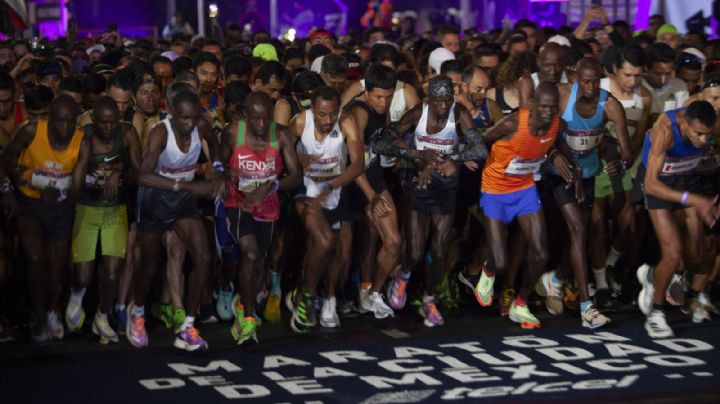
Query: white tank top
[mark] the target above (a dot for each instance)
(633, 109)
(175, 164)
(536, 78)
(331, 163)
(443, 142)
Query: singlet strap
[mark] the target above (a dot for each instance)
(241, 133)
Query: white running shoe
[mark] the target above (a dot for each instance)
(592, 318)
(645, 275)
(328, 315)
(656, 325)
(102, 329)
(55, 325)
(373, 302)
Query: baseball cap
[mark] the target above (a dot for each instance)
(101, 68)
(95, 48)
(438, 56)
(667, 28)
(265, 51)
(560, 40)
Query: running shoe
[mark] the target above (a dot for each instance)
(710, 308)
(121, 318)
(39, 330)
(243, 330)
(208, 315)
(102, 329)
(449, 293)
(521, 314)
(615, 284)
(328, 314)
(484, 289)
(506, 299)
(675, 294)
(223, 306)
(699, 313)
(553, 294)
(592, 318)
(397, 290)
(290, 299)
(189, 339)
(74, 316)
(272, 308)
(55, 325)
(5, 330)
(165, 314)
(304, 316)
(468, 279)
(656, 325)
(645, 275)
(431, 315)
(374, 303)
(135, 331)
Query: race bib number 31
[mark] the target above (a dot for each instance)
(584, 141)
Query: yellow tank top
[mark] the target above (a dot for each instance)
(46, 167)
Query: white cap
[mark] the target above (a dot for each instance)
(560, 40)
(438, 56)
(95, 48)
(317, 64)
(696, 52)
(172, 55)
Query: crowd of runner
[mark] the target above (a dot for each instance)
(203, 180)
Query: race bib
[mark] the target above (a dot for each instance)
(583, 141)
(182, 174)
(709, 164)
(519, 167)
(42, 179)
(680, 166)
(436, 144)
(325, 167)
(247, 184)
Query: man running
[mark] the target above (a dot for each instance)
(587, 109)
(371, 116)
(256, 150)
(326, 141)
(168, 201)
(521, 142)
(43, 159)
(101, 212)
(672, 151)
(613, 194)
(439, 126)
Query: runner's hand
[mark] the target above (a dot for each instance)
(423, 178)
(257, 195)
(446, 168)
(707, 208)
(378, 208)
(579, 189)
(315, 204)
(472, 165)
(426, 156)
(563, 167)
(614, 168)
(112, 184)
(306, 160)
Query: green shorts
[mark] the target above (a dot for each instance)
(606, 185)
(108, 222)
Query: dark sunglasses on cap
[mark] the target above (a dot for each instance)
(688, 59)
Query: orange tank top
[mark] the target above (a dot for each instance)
(47, 167)
(512, 163)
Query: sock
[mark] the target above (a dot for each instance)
(138, 311)
(585, 305)
(189, 322)
(428, 299)
(600, 278)
(658, 307)
(77, 297)
(613, 257)
(275, 283)
(261, 296)
(703, 298)
(365, 285)
(520, 302)
(555, 281)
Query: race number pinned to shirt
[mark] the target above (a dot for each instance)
(182, 173)
(584, 141)
(521, 167)
(254, 173)
(680, 165)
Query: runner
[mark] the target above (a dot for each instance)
(521, 142)
(102, 212)
(439, 126)
(43, 159)
(672, 151)
(370, 112)
(256, 150)
(587, 109)
(326, 141)
(167, 201)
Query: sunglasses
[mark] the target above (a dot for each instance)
(688, 59)
(711, 84)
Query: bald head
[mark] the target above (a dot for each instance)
(105, 104)
(63, 117)
(106, 116)
(551, 62)
(258, 98)
(546, 88)
(64, 102)
(259, 113)
(546, 103)
(589, 63)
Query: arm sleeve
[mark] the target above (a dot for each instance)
(475, 148)
(384, 145)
